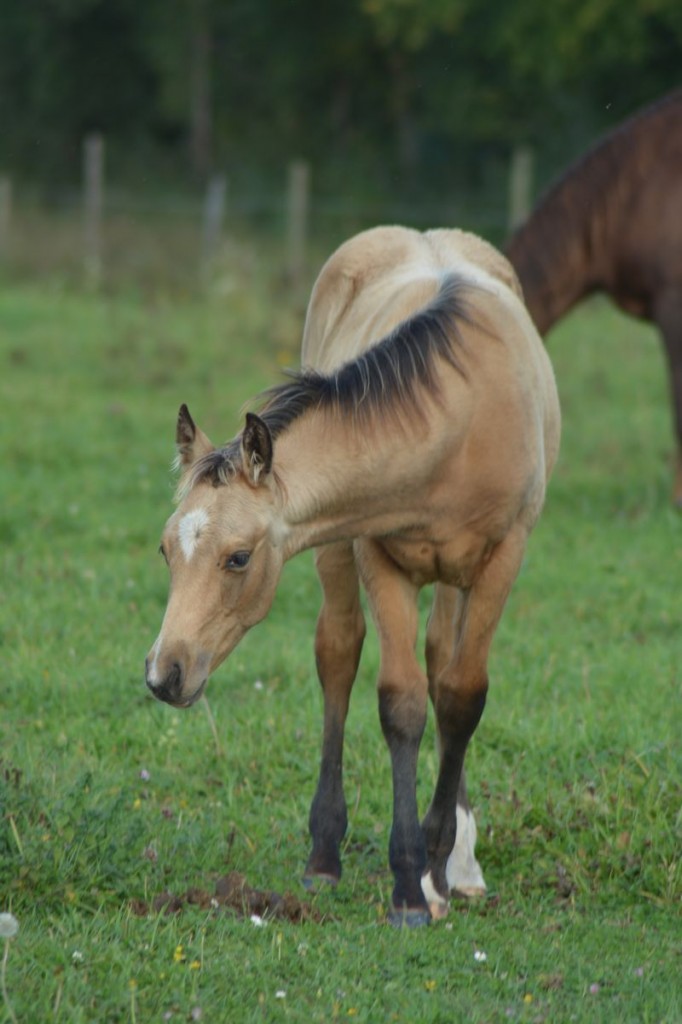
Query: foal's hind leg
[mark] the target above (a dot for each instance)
(459, 701)
(463, 872)
(338, 643)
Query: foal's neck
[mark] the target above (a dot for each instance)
(341, 479)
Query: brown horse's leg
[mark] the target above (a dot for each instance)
(338, 643)
(402, 709)
(460, 698)
(668, 316)
(464, 874)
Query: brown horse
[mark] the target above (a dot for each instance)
(613, 223)
(414, 448)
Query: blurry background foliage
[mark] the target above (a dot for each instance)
(399, 98)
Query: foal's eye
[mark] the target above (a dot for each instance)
(238, 560)
(162, 552)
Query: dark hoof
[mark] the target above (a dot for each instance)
(405, 918)
(313, 883)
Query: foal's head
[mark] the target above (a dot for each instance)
(221, 548)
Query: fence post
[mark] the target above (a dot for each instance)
(214, 213)
(297, 220)
(93, 182)
(5, 217)
(520, 185)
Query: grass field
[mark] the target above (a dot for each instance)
(110, 800)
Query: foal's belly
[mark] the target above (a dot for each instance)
(426, 560)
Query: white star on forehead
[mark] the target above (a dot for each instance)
(189, 530)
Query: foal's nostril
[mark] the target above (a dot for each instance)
(166, 687)
(170, 686)
(173, 680)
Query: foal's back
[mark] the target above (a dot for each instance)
(382, 277)
(491, 437)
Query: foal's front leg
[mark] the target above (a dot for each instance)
(338, 643)
(402, 710)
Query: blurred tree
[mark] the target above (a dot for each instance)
(66, 68)
(408, 94)
(201, 111)
(403, 29)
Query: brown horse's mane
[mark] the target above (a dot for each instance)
(569, 202)
(385, 381)
(593, 172)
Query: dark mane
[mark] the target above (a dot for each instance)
(384, 381)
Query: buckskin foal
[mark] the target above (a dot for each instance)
(413, 448)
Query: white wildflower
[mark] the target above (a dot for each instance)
(9, 926)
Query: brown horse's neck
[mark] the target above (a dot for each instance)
(578, 239)
(556, 260)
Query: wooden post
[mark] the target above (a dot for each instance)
(520, 185)
(5, 217)
(297, 220)
(93, 184)
(214, 213)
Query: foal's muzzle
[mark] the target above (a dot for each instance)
(177, 678)
(170, 687)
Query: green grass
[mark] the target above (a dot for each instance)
(575, 770)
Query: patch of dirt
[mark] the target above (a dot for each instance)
(10, 774)
(233, 892)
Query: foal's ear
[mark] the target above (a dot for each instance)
(191, 442)
(256, 448)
